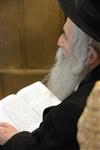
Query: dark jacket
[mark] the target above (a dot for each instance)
(59, 127)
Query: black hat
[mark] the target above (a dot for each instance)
(85, 14)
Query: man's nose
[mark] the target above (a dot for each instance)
(60, 41)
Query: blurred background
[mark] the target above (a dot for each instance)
(29, 30)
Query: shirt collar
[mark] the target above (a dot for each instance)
(95, 74)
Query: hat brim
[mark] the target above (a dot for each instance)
(70, 11)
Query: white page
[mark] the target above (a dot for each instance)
(24, 110)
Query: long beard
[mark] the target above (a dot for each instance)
(66, 74)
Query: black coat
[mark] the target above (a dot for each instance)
(59, 127)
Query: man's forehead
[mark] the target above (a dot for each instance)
(69, 25)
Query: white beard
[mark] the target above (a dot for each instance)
(67, 73)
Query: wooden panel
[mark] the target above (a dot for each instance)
(29, 30)
(1, 87)
(10, 42)
(15, 81)
(43, 21)
(28, 33)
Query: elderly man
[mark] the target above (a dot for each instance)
(72, 78)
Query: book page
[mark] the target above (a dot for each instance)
(24, 110)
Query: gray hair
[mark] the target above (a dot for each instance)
(69, 71)
(90, 41)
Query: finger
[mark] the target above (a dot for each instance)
(2, 130)
(5, 124)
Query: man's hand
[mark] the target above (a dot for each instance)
(6, 132)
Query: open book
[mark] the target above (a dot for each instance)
(24, 110)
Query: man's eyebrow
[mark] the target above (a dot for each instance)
(64, 31)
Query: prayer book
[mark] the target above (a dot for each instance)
(24, 109)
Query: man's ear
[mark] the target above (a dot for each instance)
(93, 58)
